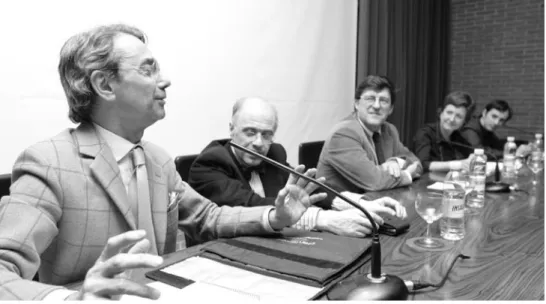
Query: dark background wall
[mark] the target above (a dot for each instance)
(498, 52)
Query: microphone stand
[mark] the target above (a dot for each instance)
(494, 186)
(375, 285)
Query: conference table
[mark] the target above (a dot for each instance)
(505, 241)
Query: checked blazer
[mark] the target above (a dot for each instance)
(67, 198)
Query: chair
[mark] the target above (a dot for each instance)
(5, 182)
(309, 153)
(183, 164)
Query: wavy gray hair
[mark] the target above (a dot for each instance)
(84, 53)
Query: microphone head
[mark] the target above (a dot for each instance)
(362, 288)
(498, 187)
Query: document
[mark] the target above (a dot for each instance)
(215, 281)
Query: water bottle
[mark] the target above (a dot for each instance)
(476, 198)
(452, 222)
(509, 158)
(537, 148)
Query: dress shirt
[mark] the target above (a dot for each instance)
(308, 220)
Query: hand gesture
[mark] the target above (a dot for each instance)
(392, 167)
(412, 169)
(107, 279)
(385, 205)
(293, 200)
(350, 222)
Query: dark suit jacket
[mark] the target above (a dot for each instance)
(479, 137)
(217, 175)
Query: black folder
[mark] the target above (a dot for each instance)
(305, 257)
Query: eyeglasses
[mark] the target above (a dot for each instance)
(148, 69)
(252, 133)
(370, 100)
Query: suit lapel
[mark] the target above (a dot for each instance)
(105, 169)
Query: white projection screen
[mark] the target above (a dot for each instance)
(298, 54)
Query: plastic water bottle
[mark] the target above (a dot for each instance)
(509, 158)
(537, 148)
(452, 222)
(476, 198)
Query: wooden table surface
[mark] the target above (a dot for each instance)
(505, 241)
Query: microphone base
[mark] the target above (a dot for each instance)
(497, 187)
(364, 287)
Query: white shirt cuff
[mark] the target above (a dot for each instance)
(401, 162)
(59, 294)
(308, 220)
(408, 175)
(265, 220)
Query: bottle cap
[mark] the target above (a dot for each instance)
(510, 138)
(538, 135)
(478, 151)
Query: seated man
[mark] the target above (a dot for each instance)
(363, 152)
(440, 145)
(480, 131)
(228, 176)
(78, 198)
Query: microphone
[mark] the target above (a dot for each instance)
(375, 285)
(519, 130)
(497, 185)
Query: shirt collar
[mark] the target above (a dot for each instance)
(119, 145)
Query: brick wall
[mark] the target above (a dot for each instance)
(498, 52)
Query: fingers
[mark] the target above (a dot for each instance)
(141, 247)
(377, 219)
(116, 243)
(313, 199)
(292, 179)
(302, 182)
(124, 261)
(107, 288)
(399, 210)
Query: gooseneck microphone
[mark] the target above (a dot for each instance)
(519, 130)
(497, 185)
(377, 286)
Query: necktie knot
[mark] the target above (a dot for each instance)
(138, 156)
(247, 172)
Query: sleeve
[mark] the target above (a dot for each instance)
(422, 143)
(203, 220)
(212, 180)
(351, 160)
(402, 151)
(474, 139)
(28, 224)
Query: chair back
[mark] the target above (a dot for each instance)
(183, 164)
(5, 183)
(309, 153)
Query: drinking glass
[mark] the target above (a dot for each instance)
(535, 164)
(429, 206)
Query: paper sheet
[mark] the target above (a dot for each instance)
(440, 186)
(215, 281)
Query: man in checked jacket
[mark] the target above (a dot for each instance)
(95, 201)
